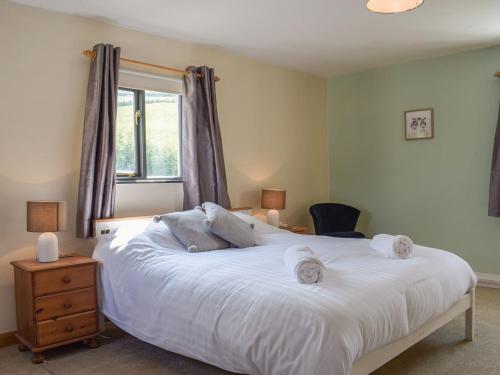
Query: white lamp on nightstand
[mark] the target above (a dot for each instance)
(46, 217)
(274, 200)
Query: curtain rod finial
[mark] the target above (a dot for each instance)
(89, 53)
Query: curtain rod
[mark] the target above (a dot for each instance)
(91, 54)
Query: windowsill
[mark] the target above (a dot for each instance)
(148, 181)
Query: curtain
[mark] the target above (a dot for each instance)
(96, 194)
(494, 206)
(203, 168)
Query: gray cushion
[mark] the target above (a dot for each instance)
(188, 227)
(228, 226)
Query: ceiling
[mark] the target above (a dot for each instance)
(323, 37)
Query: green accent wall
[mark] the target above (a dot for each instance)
(436, 190)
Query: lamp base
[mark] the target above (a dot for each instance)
(47, 249)
(273, 218)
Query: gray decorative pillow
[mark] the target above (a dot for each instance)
(228, 226)
(189, 229)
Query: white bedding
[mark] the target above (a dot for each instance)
(240, 309)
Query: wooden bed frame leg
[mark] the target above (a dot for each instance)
(470, 317)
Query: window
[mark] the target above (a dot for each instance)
(148, 136)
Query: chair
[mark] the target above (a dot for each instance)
(335, 220)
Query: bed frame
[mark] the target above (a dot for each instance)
(373, 360)
(377, 358)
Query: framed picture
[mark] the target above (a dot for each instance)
(419, 124)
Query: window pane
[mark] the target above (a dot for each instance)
(125, 133)
(162, 134)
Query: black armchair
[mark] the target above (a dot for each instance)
(335, 220)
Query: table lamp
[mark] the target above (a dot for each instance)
(46, 217)
(274, 200)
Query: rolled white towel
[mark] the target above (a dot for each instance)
(304, 264)
(392, 246)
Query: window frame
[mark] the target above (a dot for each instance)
(140, 174)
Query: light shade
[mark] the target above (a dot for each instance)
(46, 216)
(273, 199)
(393, 6)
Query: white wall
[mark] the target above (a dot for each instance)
(148, 199)
(273, 124)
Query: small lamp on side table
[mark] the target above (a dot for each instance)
(274, 200)
(46, 217)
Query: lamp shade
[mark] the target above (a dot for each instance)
(46, 216)
(273, 199)
(393, 6)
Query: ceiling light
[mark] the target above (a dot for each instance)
(393, 6)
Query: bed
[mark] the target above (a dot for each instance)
(240, 310)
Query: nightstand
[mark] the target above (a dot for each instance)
(298, 230)
(56, 304)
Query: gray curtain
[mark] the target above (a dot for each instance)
(203, 168)
(96, 194)
(494, 206)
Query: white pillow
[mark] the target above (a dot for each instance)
(228, 226)
(189, 229)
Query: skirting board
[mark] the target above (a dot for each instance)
(488, 280)
(7, 339)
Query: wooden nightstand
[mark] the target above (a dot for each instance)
(56, 304)
(299, 230)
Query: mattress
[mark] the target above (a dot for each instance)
(241, 310)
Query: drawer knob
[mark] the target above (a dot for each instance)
(67, 305)
(66, 279)
(69, 328)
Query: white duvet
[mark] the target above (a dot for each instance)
(239, 309)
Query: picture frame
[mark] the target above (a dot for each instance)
(419, 124)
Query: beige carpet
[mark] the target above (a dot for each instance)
(444, 352)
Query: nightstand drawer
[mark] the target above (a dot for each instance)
(67, 328)
(63, 279)
(62, 304)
